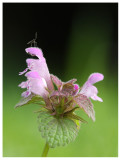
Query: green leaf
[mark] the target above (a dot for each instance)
(40, 110)
(74, 116)
(77, 123)
(55, 87)
(70, 109)
(57, 131)
(30, 99)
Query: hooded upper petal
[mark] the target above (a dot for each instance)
(95, 77)
(35, 51)
(89, 90)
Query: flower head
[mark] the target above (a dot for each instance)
(66, 95)
(60, 99)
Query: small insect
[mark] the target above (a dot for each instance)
(33, 41)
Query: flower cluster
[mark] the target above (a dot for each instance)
(58, 100)
(61, 98)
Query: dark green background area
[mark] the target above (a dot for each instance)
(77, 39)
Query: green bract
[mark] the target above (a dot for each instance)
(57, 131)
(34, 99)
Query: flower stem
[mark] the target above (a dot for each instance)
(45, 151)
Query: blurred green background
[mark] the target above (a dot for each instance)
(77, 39)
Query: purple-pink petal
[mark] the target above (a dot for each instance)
(95, 77)
(40, 66)
(96, 98)
(29, 62)
(89, 90)
(32, 74)
(26, 93)
(34, 51)
(20, 73)
(76, 88)
(23, 84)
(37, 86)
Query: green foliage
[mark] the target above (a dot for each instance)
(57, 131)
(30, 99)
(75, 117)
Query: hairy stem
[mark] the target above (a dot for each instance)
(45, 151)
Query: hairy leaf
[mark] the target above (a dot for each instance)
(70, 109)
(30, 99)
(56, 81)
(83, 102)
(71, 81)
(57, 131)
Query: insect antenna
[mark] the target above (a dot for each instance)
(33, 41)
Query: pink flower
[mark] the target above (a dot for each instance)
(57, 100)
(60, 97)
(38, 78)
(89, 90)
